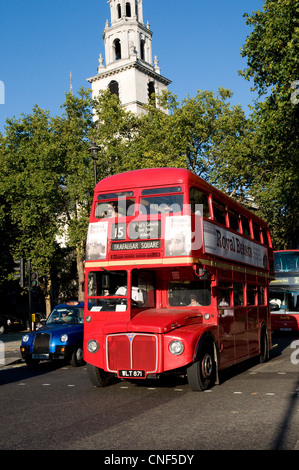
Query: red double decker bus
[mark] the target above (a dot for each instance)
(176, 279)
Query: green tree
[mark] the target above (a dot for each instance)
(113, 132)
(77, 181)
(213, 136)
(204, 134)
(31, 165)
(154, 141)
(272, 51)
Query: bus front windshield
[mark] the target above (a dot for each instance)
(107, 290)
(286, 262)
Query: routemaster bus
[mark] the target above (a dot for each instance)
(176, 280)
(284, 291)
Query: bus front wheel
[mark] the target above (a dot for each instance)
(202, 373)
(98, 377)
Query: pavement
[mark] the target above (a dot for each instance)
(10, 348)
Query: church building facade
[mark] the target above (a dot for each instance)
(129, 71)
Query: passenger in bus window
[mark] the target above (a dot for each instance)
(223, 303)
(112, 210)
(193, 301)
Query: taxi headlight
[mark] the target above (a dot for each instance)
(25, 338)
(176, 347)
(64, 338)
(92, 346)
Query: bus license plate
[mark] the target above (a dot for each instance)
(128, 374)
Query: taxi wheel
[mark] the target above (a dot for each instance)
(32, 363)
(77, 358)
(98, 377)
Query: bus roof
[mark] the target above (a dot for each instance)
(144, 177)
(167, 176)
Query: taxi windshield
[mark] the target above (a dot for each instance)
(66, 315)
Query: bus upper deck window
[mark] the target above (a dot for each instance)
(115, 205)
(245, 226)
(199, 202)
(161, 200)
(265, 236)
(234, 220)
(219, 212)
(256, 232)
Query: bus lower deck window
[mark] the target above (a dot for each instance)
(189, 293)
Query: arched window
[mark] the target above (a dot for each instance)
(113, 87)
(128, 9)
(142, 44)
(117, 49)
(119, 10)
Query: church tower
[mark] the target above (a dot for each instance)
(129, 70)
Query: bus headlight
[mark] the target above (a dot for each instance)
(92, 346)
(63, 338)
(176, 347)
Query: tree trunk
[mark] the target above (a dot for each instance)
(80, 271)
(48, 297)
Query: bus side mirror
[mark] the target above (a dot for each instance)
(201, 273)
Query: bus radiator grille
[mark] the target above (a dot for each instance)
(132, 351)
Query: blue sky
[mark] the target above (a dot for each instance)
(197, 43)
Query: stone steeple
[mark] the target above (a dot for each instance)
(129, 70)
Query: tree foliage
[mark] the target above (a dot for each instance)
(272, 51)
(31, 164)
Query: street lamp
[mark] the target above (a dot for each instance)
(94, 150)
